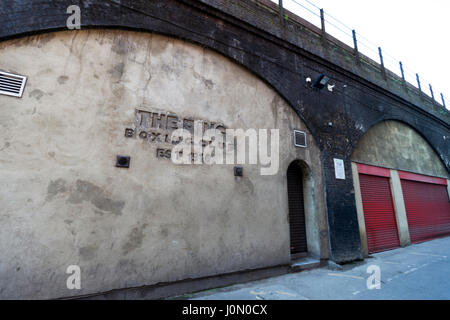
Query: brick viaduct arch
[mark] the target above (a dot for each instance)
(337, 119)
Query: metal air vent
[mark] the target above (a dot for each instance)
(12, 84)
(300, 139)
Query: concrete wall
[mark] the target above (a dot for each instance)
(400, 209)
(63, 202)
(394, 145)
(360, 210)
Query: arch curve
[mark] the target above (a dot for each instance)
(103, 85)
(223, 49)
(396, 144)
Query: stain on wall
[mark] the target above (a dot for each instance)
(86, 191)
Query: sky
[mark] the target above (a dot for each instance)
(412, 31)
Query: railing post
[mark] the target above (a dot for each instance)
(322, 21)
(418, 83)
(403, 73)
(443, 101)
(383, 69)
(355, 45)
(280, 5)
(432, 93)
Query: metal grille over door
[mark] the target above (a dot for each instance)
(379, 214)
(296, 209)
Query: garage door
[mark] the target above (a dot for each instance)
(379, 214)
(427, 206)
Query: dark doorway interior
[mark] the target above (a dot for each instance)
(297, 226)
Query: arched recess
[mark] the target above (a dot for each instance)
(225, 51)
(303, 215)
(390, 153)
(85, 90)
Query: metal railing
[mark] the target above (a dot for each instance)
(339, 30)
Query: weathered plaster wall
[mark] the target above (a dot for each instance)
(395, 145)
(63, 202)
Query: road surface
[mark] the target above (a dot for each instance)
(420, 271)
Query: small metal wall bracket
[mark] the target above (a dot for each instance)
(238, 171)
(123, 161)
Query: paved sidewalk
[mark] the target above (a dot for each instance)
(419, 271)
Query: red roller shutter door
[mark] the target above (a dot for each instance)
(427, 207)
(379, 214)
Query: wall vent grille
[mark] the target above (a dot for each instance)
(300, 139)
(12, 84)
